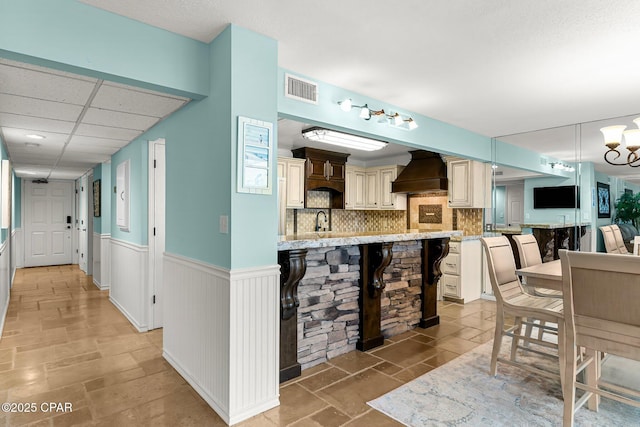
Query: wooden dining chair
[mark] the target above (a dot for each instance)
(613, 242)
(617, 236)
(512, 300)
(602, 315)
(530, 255)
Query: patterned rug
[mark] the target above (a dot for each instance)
(462, 393)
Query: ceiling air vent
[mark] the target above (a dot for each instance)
(300, 89)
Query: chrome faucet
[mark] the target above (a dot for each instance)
(318, 219)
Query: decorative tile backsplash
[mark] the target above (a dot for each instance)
(445, 218)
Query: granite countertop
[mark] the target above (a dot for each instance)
(551, 226)
(330, 238)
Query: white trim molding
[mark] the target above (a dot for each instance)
(102, 261)
(5, 284)
(221, 333)
(129, 290)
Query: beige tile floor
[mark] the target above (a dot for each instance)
(64, 342)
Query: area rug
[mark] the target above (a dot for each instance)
(462, 393)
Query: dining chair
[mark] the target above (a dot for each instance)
(512, 300)
(601, 294)
(529, 256)
(613, 244)
(529, 253)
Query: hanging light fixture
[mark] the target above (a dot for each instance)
(613, 138)
(366, 113)
(341, 139)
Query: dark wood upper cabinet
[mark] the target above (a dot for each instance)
(324, 171)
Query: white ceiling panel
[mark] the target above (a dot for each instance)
(41, 85)
(86, 148)
(104, 142)
(107, 132)
(117, 98)
(68, 172)
(47, 70)
(14, 135)
(69, 160)
(97, 116)
(39, 108)
(37, 124)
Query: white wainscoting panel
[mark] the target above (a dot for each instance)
(255, 341)
(17, 246)
(105, 261)
(221, 332)
(5, 283)
(129, 290)
(97, 262)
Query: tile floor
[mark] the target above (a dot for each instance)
(64, 341)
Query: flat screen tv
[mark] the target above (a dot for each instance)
(556, 197)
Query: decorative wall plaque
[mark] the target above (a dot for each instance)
(430, 214)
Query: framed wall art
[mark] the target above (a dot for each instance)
(604, 200)
(96, 197)
(255, 156)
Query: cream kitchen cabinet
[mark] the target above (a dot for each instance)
(462, 278)
(389, 200)
(370, 188)
(355, 186)
(292, 170)
(469, 183)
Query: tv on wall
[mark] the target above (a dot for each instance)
(567, 196)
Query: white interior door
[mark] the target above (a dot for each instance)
(82, 225)
(158, 230)
(48, 227)
(515, 205)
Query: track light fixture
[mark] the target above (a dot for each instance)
(562, 166)
(366, 113)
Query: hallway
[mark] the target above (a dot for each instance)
(64, 342)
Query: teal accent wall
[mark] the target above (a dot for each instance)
(97, 220)
(105, 198)
(137, 153)
(16, 215)
(71, 36)
(500, 201)
(201, 158)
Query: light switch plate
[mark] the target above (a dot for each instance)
(224, 224)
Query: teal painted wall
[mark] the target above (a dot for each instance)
(16, 215)
(137, 153)
(71, 36)
(105, 198)
(97, 220)
(500, 204)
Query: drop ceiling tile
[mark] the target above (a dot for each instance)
(13, 135)
(91, 141)
(107, 132)
(97, 116)
(95, 149)
(42, 85)
(46, 70)
(33, 159)
(142, 90)
(134, 101)
(39, 108)
(83, 157)
(35, 123)
(69, 173)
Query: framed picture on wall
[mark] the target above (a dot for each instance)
(255, 148)
(96, 197)
(604, 200)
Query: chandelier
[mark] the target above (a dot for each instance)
(613, 138)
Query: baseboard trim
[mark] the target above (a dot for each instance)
(99, 286)
(126, 314)
(3, 317)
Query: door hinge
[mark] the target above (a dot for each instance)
(154, 163)
(154, 299)
(154, 231)
(76, 191)
(76, 251)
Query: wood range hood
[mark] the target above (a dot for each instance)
(426, 172)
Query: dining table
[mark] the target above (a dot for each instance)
(547, 275)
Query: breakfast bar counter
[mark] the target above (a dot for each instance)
(346, 291)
